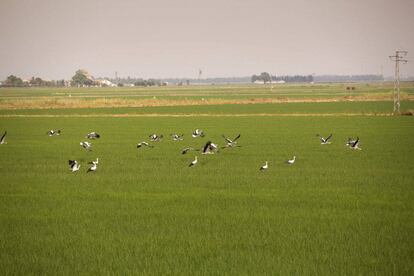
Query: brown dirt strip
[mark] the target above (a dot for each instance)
(193, 115)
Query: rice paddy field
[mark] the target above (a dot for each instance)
(336, 211)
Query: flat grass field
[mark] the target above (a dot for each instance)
(336, 211)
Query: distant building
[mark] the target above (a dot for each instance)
(105, 82)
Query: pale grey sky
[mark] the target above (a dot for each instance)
(173, 38)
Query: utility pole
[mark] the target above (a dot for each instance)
(200, 72)
(399, 57)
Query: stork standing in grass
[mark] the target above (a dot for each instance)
(194, 162)
(264, 167)
(291, 161)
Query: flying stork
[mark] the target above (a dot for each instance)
(177, 137)
(350, 141)
(74, 165)
(197, 133)
(355, 144)
(53, 132)
(93, 135)
(144, 144)
(3, 139)
(93, 167)
(86, 145)
(209, 148)
(94, 162)
(231, 142)
(324, 141)
(185, 150)
(155, 138)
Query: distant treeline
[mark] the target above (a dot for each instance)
(148, 82)
(267, 78)
(218, 80)
(223, 80)
(178, 81)
(348, 78)
(295, 78)
(13, 81)
(264, 76)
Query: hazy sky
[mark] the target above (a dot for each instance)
(173, 38)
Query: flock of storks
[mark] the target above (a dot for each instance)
(208, 148)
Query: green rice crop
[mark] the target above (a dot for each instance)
(144, 211)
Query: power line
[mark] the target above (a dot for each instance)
(399, 57)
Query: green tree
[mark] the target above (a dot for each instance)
(264, 76)
(13, 81)
(37, 82)
(82, 78)
(255, 78)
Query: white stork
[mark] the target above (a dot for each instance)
(93, 167)
(197, 133)
(231, 142)
(94, 162)
(209, 148)
(53, 132)
(291, 161)
(193, 162)
(155, 138)
(177, 137)
(74, 165)
(324, 141)
(185, 150)
(93, 135)
(144, 144)
(355, 144)
(350, 141)
(3, 139)
(86, 145)
(264, 167)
